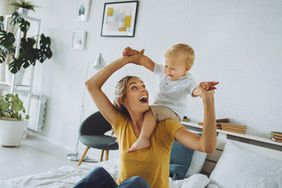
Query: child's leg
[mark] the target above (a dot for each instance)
(147, 130)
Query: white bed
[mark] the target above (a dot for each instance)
(239, 166)
(67, 176)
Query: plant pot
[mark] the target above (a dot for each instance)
(11, 132)
(23, 11)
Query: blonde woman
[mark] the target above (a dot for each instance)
(147, 167)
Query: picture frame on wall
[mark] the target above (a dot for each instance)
(78, 40)
(82, 10)
(119, 19)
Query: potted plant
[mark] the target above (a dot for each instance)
(29, 52)
(12, 122)
(23, 6)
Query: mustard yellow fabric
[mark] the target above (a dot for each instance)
(151, 163)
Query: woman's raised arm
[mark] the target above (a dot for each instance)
(95, 83)
(207, 141)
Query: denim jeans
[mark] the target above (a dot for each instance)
(100, 178)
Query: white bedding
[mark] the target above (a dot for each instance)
(67, 176)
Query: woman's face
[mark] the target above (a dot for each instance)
(137, 96)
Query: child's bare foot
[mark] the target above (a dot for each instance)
(141, 143)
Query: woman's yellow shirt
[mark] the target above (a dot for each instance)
(151, 163)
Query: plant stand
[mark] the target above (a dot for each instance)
(12, 84)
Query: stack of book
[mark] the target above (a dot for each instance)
(232, 127)
(276, 136)
(226, 125)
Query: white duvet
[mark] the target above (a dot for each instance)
(67, 176)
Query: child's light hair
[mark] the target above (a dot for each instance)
(120, 93)
(184, 49)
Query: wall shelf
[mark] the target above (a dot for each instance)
(246, 138)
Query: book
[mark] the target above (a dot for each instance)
(235, 131)
(276, 133)
(233, 126)
(278, 137)
(223, 120)
(218, 125)
(276, 140)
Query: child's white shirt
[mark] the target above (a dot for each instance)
(173, 94)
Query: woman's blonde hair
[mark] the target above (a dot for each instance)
(184, 49)
(120, 94)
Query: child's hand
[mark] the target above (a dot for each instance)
(208, 86)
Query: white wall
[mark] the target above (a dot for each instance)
(237, 43)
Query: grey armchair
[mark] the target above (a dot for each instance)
(92, 134)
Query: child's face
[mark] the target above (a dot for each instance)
(175, 67)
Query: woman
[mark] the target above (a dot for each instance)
(150, 165)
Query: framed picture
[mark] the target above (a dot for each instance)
(78, 40)
(82, 10)
(119, 19)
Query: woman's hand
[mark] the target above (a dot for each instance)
(205, 94)
(129, 52)
(134, 56)
(138, 58)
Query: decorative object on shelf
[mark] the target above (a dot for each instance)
(232, 127)
(82, 10)
(79, 40)
(100, 62)
(226, 125)
(25, 52)
(276, 136)
(185, 119)
(119, 19)
(11, 121)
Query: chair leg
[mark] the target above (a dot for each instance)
(83, 156)
(107, 155)
(101, 156)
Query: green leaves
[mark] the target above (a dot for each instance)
(17, 19)
(45, 48)
(29, 53)
(11, 106)
(6, 45)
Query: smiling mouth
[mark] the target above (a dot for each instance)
(143, 99)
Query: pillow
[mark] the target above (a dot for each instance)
(241, 168)
(196, 164)
(195, 181)
(180, 159)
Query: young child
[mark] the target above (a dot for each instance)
(175, 83)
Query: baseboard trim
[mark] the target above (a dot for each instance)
(52, 141)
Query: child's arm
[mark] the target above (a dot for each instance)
(142, 60)
(205, 85)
